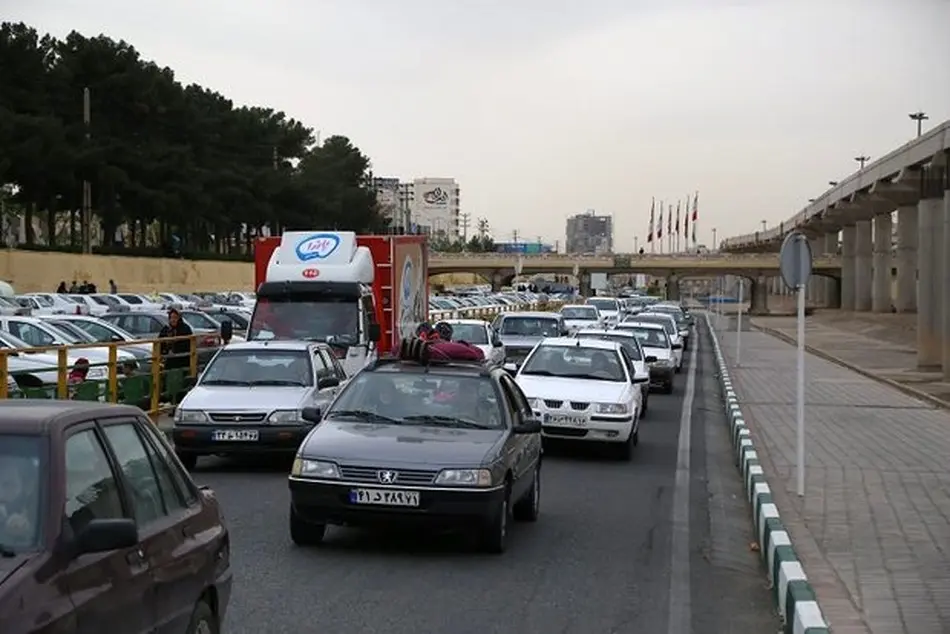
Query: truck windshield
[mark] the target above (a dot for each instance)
(324, 319)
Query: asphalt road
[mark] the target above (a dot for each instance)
(602, 559)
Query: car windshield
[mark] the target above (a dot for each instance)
(649, 337)
(604, 303)
(245, 367)
(431, 400)
(23, 487)
(103, 330)
(106, 300)
(579, 312)
(43, 300)
(61, 334)
(575, 362)
(238, 320)
(472, 333)
(629, 343)
(132, 299)
(529, 327)
(315, 320)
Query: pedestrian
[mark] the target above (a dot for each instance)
(73, 288)
(113, 289)
(176, 352)
(61, 288)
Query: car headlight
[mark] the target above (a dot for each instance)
(307, 468)
(611, 408)
(190, 416)
(287, 416)
(97, 374)
(464, 477)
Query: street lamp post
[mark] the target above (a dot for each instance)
(862, 160)
(920, 116)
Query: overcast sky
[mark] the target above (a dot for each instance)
(546, 108)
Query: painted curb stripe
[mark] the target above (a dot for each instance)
(794, 595)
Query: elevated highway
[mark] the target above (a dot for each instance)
(856, 217)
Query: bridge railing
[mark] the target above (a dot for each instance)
(613, 258)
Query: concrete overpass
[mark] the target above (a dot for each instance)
(914, 181)
(500, 269)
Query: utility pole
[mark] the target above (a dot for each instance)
(482, 228)
(862, 160)
(920, 116)
(514, 236)
(86, 214)
(464, 220)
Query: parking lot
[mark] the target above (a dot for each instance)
(602, 558)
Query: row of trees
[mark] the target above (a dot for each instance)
(475, 244)
(170, 166)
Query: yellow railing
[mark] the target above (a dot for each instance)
(115, 381)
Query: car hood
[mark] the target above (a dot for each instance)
(659, 353)
(554, 388)
(229, 398)
(374, 444)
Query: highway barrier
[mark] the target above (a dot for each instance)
(797, 603)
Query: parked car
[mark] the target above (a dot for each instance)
(103, 529)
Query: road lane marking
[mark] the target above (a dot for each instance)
(680, 613)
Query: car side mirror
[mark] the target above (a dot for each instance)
(510, 368)
(650, 359)
(375, 333)
(106, 534)
(497, 343)
(227, 330)
(530, 426)
(641, 379)
(677, 346)
(311, 414)
(327, 382)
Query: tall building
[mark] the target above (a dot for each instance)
(590, 233)
(434, 206)
(394, 199)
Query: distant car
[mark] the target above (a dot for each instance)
(521, 331)
(448, 445)
(580, 316)
(102, 529)
(609, 308)
(250, 397)
(481, 335)
(631, 344)
(584, 390)
(672, 331)
(658, 347)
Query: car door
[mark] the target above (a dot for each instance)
(634, 388)
(518, 449)
(322, 369)
(112, 591)
(179, 560)
(497, 351)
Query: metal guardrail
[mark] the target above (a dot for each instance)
(479, 312)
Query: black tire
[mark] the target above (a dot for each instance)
(203, 620)
(668, 387)
(625, 450)
(304, 533)
(645, 405)
(677, 369)
(188, 460)
(528, 508)
(494, 535)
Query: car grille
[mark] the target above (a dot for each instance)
(578, 406)
(371, 475)
(237, 417)
(553, 404)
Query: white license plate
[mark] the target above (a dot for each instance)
(567, 421)
(384, 497)
(235, 435)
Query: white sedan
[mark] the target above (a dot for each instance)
(579, 316)
(481, 335)
(584, 390)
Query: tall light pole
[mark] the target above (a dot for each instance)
(86, 215)
(862, 160)
(920, 116)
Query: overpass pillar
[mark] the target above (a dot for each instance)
(863, 251)
(906, 299)
(929, 279)
(672, 288)
(816, 284)
(759, 295)
(881, 287)
(832, 294)
(944, 271)
(847, 268)
(583, 284)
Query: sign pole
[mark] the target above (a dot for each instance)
(739, 326)
(800, 392)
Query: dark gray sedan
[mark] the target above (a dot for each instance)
(452, 445)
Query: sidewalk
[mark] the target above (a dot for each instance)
(873, 529)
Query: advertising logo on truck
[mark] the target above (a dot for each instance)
(319, 246)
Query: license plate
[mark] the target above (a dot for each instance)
(567, 421)
(384, 497)
(235, 435)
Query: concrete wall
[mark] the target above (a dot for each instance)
(30, 271)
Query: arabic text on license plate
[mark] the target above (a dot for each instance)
(570, 421)
(235, 435)
(384, 497)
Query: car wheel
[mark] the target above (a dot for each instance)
(188, 460)
(625, 450)
(678, 368)
(203, 620)
(668, 387)
(645, 404)
(304, 533)
(494, 538)
(529, 507)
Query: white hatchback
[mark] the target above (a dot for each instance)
(584, 390)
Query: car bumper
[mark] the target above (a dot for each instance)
(599, 429)
(198, 439)
(328, 502)
(660, 376)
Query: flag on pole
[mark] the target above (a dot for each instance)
(677, 217)
(659, 225)
(652, 216)
(669, 221)
(686, 221)
(695, 215)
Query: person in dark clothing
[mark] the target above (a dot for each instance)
(113, 289)
(61, 288)
(74, 288)
(91, 288)
(176, 352)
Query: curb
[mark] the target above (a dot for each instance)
(906, 389)
(797, 603)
